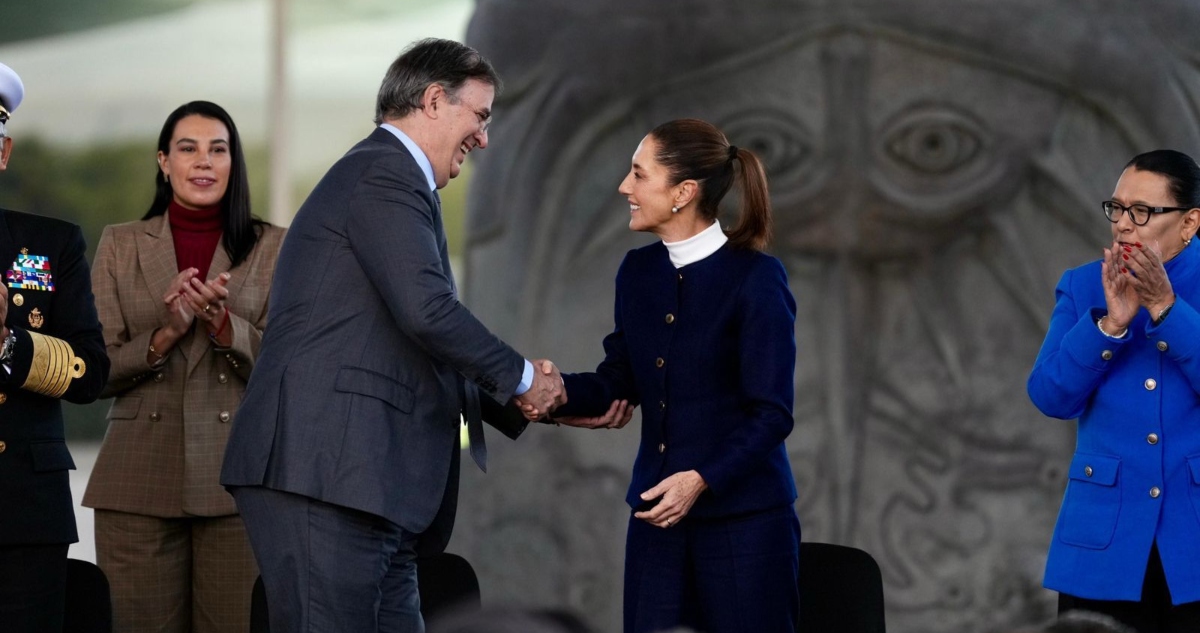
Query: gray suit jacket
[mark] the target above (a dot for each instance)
(356, 395)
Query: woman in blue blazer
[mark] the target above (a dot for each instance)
(704, 341)
(1123, 356)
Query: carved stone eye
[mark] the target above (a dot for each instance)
(934, 141)
(780, 141)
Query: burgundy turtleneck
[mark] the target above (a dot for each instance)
(196, 232)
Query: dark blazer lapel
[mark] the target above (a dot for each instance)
(7, 246)
(8, 250)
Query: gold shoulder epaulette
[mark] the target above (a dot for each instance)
(54, 366)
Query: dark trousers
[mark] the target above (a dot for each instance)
(33, 588)
(1154, 613)
(327, 568)
(723, 575)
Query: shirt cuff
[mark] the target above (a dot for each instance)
(526, 379)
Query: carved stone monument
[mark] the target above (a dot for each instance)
(935, 165)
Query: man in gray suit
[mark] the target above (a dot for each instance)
(343, 457)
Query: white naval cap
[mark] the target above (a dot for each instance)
(12, 91)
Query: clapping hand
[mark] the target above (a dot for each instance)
(179, 313)
(207, 301)
(1149, 278)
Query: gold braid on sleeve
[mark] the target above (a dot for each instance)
(54, 366)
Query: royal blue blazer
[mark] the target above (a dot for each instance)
(1135, 476)
(709, 351)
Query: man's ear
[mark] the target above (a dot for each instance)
(433, 98)
(6, 144)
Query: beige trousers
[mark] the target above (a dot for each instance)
(187, 575)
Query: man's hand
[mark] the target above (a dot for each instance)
(546, 394)
(618, 415)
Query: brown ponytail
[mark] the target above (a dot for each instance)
(753, 229)
(692, 149)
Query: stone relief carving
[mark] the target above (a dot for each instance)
(935, 166)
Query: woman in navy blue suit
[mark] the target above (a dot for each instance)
(704, 341)
(1123, 356)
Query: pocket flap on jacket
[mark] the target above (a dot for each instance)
(1194, 464)
(1096, 469)
(368, 383)
(50, 456)
(125, 408)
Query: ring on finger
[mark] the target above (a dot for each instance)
(206, 307)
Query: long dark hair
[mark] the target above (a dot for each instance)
(239, 229)
(692, 149)
(1180, 170)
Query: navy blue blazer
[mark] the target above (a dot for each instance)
(59, 356)
(1135, 476)
(709, 351)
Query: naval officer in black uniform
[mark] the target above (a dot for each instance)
(51, 349)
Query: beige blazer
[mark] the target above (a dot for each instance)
(167, 428)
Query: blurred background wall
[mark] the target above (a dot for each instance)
(935, 165)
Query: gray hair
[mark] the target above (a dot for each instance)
(3, 132)
(429, 61)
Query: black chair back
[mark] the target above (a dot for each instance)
(88, 599)
(446, 582)
(258, 608)
(841, 590)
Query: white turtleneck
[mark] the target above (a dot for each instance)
(696, 247)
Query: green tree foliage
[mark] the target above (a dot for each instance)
(31, 19)
(91, 187)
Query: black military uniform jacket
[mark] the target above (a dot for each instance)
(59, 355)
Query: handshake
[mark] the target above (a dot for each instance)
(548, 393)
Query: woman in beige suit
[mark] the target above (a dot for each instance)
(182, 295)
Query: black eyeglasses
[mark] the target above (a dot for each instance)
(1139, 213)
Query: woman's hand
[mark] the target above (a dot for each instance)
(179, 315)
(207, 301)
(679, 492)
(1149, 278)
(618, 415)
(1119, 293)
